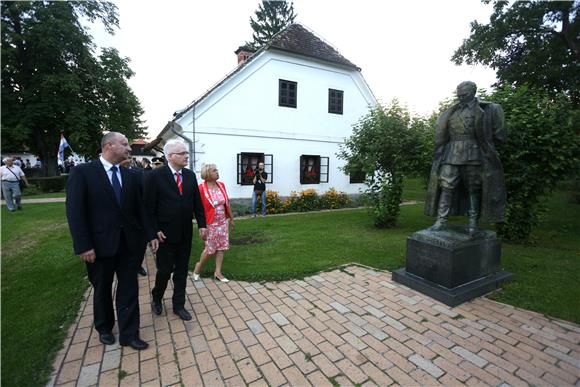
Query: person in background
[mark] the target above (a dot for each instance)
(27, 164)
(157, 162)
(127, 163)
(259, 181)
(218, 217)
(146, 164)
(38, 163)
(11, 176)
(171, 200)
(109, 227)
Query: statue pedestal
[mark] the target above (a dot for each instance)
(449, 266)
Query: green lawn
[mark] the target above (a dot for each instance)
(42, 282)
(42, 287)
(34, 195)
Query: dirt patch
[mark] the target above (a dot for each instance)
(26, 242)
(247, 240)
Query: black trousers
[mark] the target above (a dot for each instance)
(101, 274)
(172, 258)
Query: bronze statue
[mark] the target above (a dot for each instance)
(467, 175)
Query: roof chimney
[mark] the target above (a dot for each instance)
(244, 52)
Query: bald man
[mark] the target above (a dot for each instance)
(109, 229)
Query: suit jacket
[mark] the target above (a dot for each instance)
(167, 209)
(95, 217)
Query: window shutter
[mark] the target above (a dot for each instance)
(324, 165)
(302, 167)
(239, 169)
(269, 168)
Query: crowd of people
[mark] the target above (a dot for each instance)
(116, 210)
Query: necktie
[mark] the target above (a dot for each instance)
(116, 184)
(179, 185)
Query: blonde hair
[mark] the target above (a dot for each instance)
(206, 170)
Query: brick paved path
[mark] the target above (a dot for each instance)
(352, 326)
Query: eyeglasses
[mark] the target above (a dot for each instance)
(184, 153)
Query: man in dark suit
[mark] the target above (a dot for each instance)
(109, 229)
(138, 172)
(171, 199)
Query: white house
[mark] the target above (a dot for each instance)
(291, 104)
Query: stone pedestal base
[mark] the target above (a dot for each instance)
(451, 267)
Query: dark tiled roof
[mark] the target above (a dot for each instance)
(245, 47)
(299, 40)
(293, 38)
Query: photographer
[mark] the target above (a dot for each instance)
(259, 181)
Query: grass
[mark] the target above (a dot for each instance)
(43, 282)
(548, 270)
(42, 287)
(35, 195)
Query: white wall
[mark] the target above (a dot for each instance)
(243, 115)
(222, 151)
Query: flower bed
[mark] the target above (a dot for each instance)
(304, 201)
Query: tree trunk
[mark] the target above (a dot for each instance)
(49, 164)
(47, 150)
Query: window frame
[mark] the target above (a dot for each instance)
(242, 167)
(321, 168)
(284, 97)
(335, 103)
(357, 177)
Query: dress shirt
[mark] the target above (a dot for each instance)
(107, 165)
(173, 172)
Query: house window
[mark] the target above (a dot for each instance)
(335, 98)
(357, 177)
(248, 163)
(287, 93)
(313, 169)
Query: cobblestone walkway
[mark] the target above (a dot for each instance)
(352, 326)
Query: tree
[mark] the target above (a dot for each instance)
(52, 83)
(387, 144)
(542, 149)
(272, 16)
(534, 42)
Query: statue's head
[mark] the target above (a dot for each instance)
(466, 91)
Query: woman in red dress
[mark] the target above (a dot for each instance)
(218, 215)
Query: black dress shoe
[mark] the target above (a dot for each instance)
(157, 307)
(183, 314)
(136, 344)
(142, 271)
(107, 338)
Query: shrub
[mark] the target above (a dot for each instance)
(542, 149)
(385, 199)
(307, 200)
(387, 143)
(274, 204)
(333, 199)
(575, 192)
(291, 202)
(49, 184)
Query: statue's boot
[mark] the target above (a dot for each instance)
(473, 213)
(443, 210)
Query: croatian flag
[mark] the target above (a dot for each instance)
(61, 147)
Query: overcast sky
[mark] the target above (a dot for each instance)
(181, 48)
